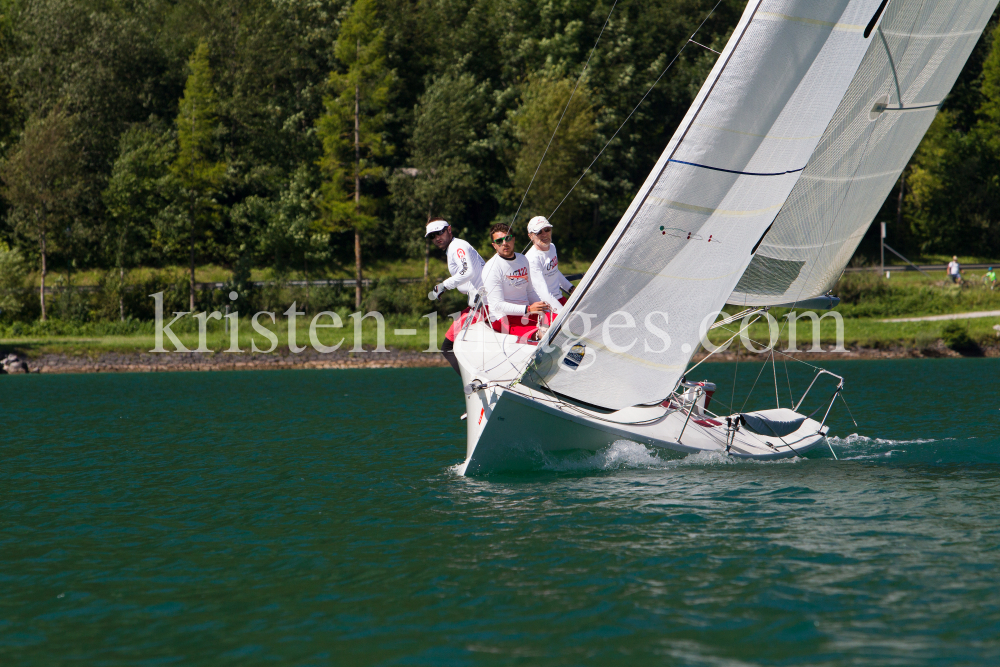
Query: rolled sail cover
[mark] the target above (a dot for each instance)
(911, 65)
(630, 329)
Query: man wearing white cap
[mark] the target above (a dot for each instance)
(543, 263)
(466, 268)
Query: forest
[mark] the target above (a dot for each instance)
(140, 139)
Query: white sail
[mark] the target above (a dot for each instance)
(686, 239)
(911, 65)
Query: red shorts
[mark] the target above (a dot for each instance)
(522, 326)
(459, 323)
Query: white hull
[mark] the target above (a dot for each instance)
(509, 425)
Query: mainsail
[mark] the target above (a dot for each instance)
(688, 236)
(918, 52)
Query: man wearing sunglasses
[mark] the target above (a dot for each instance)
(543, 264)
(466, 268)
(514, 306)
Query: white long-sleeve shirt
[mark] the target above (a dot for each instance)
(546, 278)
(508, 286)
(466, 268)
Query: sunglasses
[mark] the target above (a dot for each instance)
(434, 235)
(503, 239)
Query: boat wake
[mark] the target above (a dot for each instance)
(628, 455)
(857, 447)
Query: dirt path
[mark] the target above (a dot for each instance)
(953, 316)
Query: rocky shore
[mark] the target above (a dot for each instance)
(123, 362)
(119, 362)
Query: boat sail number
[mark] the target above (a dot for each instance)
(684, 234)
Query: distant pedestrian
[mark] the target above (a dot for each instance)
(955, 271)
(990, 278)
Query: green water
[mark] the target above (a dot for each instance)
(312, 518)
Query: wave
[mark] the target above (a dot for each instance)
(628, 455)
(862, 447)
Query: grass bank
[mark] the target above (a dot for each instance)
(866, 299)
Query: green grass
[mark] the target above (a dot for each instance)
(858, 332)
(867, 298)
(218, 340)
(865, 332)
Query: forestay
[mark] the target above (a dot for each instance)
(911, 65)
(686, 239)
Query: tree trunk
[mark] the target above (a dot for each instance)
(357, 270)
(191, 289)
(121, 292)
(41, 292)
(427, 244)
(357, 191)
(899, 204)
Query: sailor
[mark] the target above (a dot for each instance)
(466, 268)
(515, 307)
(543, 265)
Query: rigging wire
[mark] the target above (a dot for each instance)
(848, 408)
(791, 396)
(565, 109)
(819, 250)
(636, 108)
(724, 345)
(774, 369)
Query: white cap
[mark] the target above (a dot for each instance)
(436, 226)
(538, 223)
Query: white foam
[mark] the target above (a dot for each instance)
(861, 447)
(628, 455)
(620, 455)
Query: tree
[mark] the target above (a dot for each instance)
(570, 151)
(954, 181)
(42, 182)
(196, 175)
(13, 273)
(133, 197)
(284, 233)
(352, 128)
(445, 149)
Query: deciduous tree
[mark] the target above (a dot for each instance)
(42, 182)
(446, 148)
(133, 198)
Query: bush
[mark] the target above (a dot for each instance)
(956, 336)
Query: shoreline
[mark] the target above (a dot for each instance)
(145, 362)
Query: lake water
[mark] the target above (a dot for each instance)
(313, 518)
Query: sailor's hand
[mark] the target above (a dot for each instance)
(538, 307)
(436, 292)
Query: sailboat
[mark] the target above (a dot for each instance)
(759, 199)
